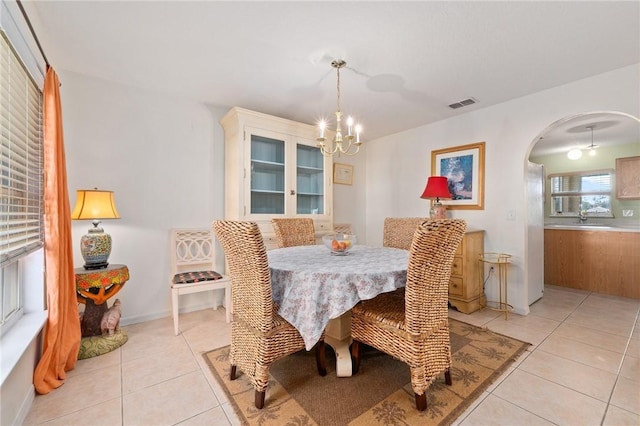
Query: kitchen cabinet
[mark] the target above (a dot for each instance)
(464, 288)
(600, 261)
(274, 169)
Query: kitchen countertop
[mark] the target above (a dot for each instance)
(613, 227)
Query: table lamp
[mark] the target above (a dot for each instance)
(95, 205)
(437, 187)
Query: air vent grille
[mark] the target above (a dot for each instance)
(465, 102)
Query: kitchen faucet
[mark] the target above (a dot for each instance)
(582, 216)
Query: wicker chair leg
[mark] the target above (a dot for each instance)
(259, 399)
(232, 373)
(321, 362)
(421, 402)
(447, 376)
(355, 356)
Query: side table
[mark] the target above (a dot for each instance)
(94, 287)
(501, 262)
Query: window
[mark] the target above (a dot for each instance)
(587, 192)
(21, 183)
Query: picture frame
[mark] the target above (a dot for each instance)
(342, 174)
(463, 166)
(628, 178)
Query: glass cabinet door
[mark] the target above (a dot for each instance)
(309, 180)
(267, 175)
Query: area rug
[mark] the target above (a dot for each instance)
(380, 394)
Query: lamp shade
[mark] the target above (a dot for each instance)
(437, 187)
(94, 204)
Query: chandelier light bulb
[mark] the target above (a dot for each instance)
(341, 144)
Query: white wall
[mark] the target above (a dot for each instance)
(397, 165)
(163, 158)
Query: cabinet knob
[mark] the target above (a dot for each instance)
(293, 192)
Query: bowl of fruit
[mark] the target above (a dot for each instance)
(339, 244)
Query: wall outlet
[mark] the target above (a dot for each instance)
(627, 213)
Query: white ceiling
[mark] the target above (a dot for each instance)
(407, 61)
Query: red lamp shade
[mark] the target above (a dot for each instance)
(437, 187)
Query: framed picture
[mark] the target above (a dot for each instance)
(343, 174)
(463, 167)
(628, 178)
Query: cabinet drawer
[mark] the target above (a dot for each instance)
(456, 286)
(456, 266)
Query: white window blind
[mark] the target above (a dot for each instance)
(21, 158)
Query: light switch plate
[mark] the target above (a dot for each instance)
(627, 213)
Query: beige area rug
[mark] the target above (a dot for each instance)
(380, 394)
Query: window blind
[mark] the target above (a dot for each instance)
(21, 158)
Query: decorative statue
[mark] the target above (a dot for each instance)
(111, 319)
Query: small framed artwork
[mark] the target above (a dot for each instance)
(628, 178)
(463, 166)
(343, 174)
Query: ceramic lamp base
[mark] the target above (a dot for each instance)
(438, 211)
(95, 248)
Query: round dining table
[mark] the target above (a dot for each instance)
(316, 289)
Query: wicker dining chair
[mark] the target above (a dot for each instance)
(415, 328)
(294, 232)
(398, 232)
(259, 336)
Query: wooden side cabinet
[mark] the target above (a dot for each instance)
(464, 292)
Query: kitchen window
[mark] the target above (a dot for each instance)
(588, 193)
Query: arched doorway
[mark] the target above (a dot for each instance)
(611, 127)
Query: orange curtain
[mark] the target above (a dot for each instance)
(62, 333)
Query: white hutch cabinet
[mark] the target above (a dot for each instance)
(274, 169)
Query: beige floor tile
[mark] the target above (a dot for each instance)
(511, 329)
(169, 402)
(554, 312)
(626, 395)
(231, 414)
(600, 320)
(550, 401)
(214, 417)
(80, 392)
(531, 322)
(631, 368)
(143, 372)
(634, 347)
(497, 411)
(108, 413)
(478, 318)
(150, 342)
(609, 302)
(618, 417)
(592, 337)
(583, 353)
(110, 359)
(573, 375)
(469, 410)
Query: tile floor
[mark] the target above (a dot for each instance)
(583, 368)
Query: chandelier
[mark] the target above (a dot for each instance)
(348, 144)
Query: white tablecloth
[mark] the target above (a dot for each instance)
(313, 286)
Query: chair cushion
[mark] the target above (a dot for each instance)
(194, 277)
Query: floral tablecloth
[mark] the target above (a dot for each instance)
(313, 286)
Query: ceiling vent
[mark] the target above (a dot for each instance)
(469, 101)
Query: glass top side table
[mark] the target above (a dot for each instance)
(501, 263)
